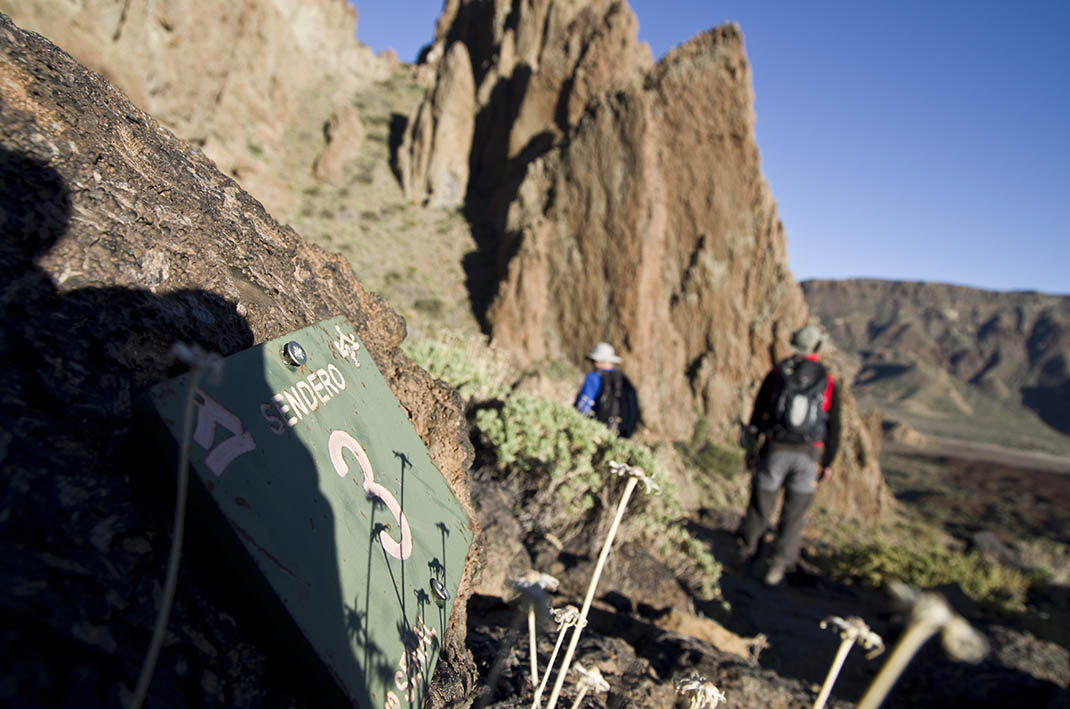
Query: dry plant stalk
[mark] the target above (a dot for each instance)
(852, 630)
(634, 476)
(532, 648)
(201, 363)
(566, 618)
(534, 587)
(929, 613)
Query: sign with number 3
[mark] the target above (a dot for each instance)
(308, 457)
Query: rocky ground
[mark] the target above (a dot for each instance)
(629, 642)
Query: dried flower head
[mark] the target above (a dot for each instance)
(567, 617)
(960, 640)
(855, 630)
(625, 470)
(537, 578)
(704, 695)
(534, 587)
(929, 614)
(592, 678)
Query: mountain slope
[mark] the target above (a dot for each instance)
(953, 360)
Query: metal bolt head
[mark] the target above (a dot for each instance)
(439, 591)
(294, 353)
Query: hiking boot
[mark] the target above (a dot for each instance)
(775, 574)
(743, 555)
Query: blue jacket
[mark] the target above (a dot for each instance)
(587, 399)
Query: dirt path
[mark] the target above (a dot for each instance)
(641, 660)
(937, 446)
(790, 616)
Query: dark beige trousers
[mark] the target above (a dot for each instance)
(795, 472)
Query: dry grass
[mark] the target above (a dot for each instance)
(410, 254)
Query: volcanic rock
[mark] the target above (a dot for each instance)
(344, 133)
(119, 240)
(433, 157)
(620, 200)
(228, 77)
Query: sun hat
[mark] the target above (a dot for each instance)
(807, 339)
(603, 352)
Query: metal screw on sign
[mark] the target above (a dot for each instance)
(295, 353)
(439, 591)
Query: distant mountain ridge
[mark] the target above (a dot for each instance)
(951, 358)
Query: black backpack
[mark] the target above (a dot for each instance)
(798, 413)
(618, 404)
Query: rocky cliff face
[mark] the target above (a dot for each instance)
(229, 77)
(617, 199)
(983, 350)
(118, 240)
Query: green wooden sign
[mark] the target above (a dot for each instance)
(308, 456)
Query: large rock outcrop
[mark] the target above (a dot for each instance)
(118, 240)
(229, 77)
(433, 157)
(617, 199)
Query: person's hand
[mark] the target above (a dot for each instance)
(823, 473)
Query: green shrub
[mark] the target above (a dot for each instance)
(877, 563)
(452, 365)
(540, 437)
(571, 452)
(431, 306)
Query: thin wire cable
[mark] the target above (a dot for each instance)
(177, 533)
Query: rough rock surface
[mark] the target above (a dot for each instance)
(344, 133)
(118, 240)
(229, 77)
(615, 199)
(433, 157)
(537, 64)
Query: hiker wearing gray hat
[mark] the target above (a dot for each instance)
(797, 414)
(607, 394)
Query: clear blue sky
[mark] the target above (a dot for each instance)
(904, 139)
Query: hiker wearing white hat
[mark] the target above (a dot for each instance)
(607, 394)
(797, 411)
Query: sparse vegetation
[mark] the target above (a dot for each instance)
(876, 563)
(451, 364)
(708, 456)
(544, 439)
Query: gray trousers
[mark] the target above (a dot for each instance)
(796, 472)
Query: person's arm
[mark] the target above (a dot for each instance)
(588, 395)
(832, 434)
(763, 402)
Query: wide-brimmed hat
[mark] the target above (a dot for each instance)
(603, 352)
(807, 339)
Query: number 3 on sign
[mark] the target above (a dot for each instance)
(339, 441)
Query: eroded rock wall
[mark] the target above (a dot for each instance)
(229, 77)
(433, 156)
(621, 200)
(119, 240)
